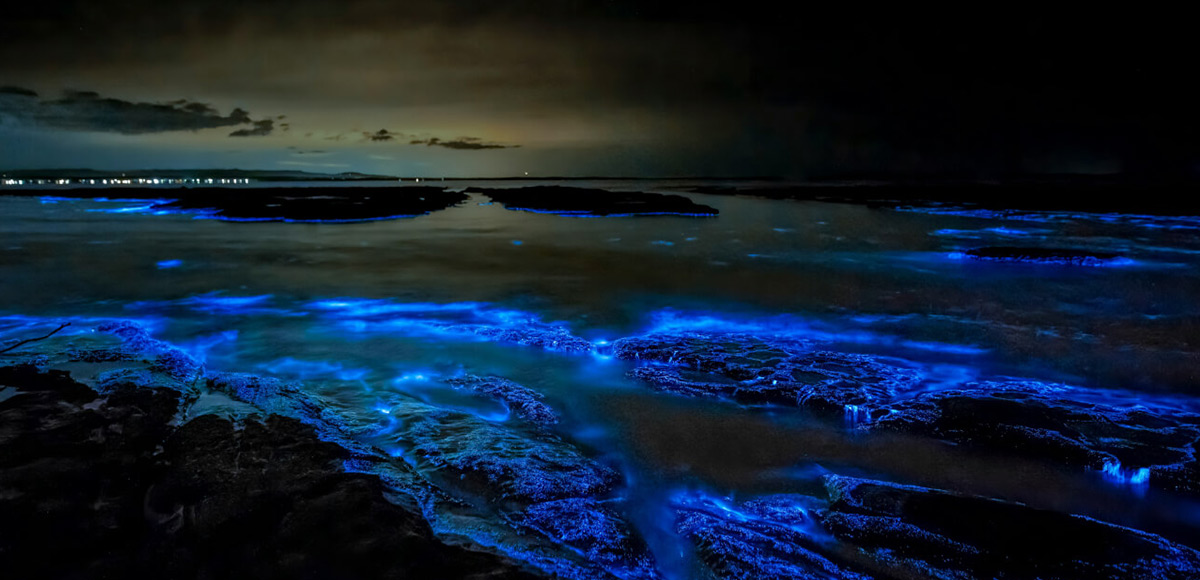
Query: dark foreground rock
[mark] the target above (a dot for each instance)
(1065, 256)
(757, 370)
(916, 532)
(105, 486)
(348, 204)
(584, 202)
(1137, 445)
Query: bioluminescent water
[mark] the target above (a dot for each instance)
(519, 325)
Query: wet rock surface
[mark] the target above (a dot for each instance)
(501, 463)
(1032, 255)
(584, 202)
(919, 532)
(772, 537)
(522, 400)
(1139, 445)
(596, 531)
(105, 486)
(756, 370)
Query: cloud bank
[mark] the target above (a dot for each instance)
(89, 111)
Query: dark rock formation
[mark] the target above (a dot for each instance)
(496, 461)
(323, 204)
(524, 401)
(1065, 256)
(758, 370)
(583, 202)
(96, 486)
(590, 527)
(544, 336)
(1139, 445)
(915, 532)
(772, 537)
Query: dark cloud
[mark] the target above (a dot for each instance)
(260, 129)
(462, 143)
(9, 90)
(89, 111)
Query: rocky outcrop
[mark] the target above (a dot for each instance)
(329, 205)
(584, 202)
(758, 370)
(104, 485)
(525, 402)
(918, 532)
(771, 537)
(1146, 444)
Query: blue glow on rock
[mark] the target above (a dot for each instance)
(166, 264)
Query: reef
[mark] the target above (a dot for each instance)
(584, 202)
(1064, 256)
(908, 531)
(323, 204)
(109, 485)
(1142, 444)
(760, 370)
(276, 204)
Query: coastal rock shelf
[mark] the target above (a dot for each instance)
(1149, 443)
(295, 204)
(107, 485)
(1146, 444)
(763, 370)
(583, 202)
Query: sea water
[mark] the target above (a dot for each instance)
(359, 312)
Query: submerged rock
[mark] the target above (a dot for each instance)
(584, 202)
(1042, 255)
(758, 370)
(1042, 421)
(96, 485)
(527, 402)
(918, 532)
(324, 204)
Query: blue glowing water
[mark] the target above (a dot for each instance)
(376, 317)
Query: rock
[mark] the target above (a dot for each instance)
(758, 370)
(771, 537)
(105, 486)
(1065, 256)
(524, 401)
(324, 204)
(496, 461)
(584, 202)
(544, 336)
(603, 537)
(1046, 422)
(919, 532)
(138, 346)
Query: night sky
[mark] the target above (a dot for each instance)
(570, 88)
